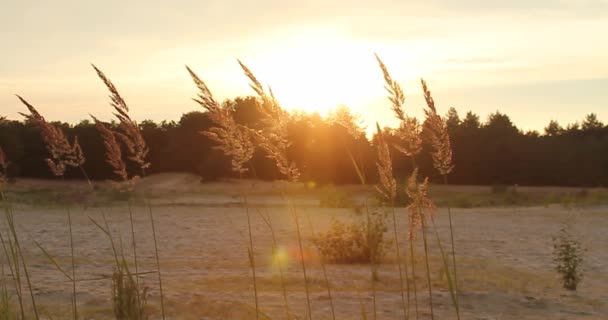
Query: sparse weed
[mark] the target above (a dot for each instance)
(568, 257)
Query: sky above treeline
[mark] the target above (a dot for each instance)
(536, 60)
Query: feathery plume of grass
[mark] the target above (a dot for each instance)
(388, 189)
(137, 148)
(419, 205)
(63, 153)
(113, 152)
(395, 93)
(388, 185)
(131, 134)
(442, 160)
(273, 140)
(235, 142)
(409, 128)
(439, 136)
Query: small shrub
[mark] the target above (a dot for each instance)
(356, 242)
(568, 258)
(128, 299)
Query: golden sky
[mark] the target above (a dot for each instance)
(534, 60)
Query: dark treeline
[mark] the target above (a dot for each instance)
(494, 151)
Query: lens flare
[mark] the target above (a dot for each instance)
(279, 260)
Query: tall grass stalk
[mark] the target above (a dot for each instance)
(236, 142)
(273, 140)
(135, 143)
(442, 161)
(388, 190)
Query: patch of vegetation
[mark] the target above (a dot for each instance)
(129, 300)
(360, 241)
(568, 258)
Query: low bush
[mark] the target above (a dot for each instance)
(567, 253)
(361, 241)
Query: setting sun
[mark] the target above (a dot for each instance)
(318, 75)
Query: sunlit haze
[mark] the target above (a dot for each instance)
(533, 60)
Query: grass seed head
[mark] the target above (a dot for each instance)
(131, 135)
(437, 134)
(63, 154)
(388, 186)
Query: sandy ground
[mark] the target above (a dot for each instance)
(504, 259)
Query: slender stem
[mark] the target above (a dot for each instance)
(413, 262)
(372, 258)
(331, 300)
(428, 272)
(299, 234)
(445, 181)
(73, 264)
(252, 258)
(280, 263)
(160, 280)
(67, 208)
(405, 305)
(134, 252)
(453, 293)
